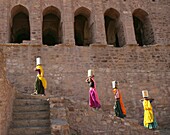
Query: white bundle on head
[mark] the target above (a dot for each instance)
(145, 93)
(90, 72)
(38, 60)
(114, 83)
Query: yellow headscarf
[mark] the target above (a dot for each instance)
(41, 76)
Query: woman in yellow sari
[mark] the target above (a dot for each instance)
(40, 83)
(149, 119)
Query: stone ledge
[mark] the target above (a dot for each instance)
(75, 46)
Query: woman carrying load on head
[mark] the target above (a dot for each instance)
(40, 83)
(94, 101)
(119, 108)
(149, 120)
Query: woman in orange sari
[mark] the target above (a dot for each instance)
(119, 108)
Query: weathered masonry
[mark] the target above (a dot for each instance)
(124, 40)
(79, 22)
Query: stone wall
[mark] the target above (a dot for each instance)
(83, 121)
(6, 98)
(65, 66)
(157, 12)
(75, 117)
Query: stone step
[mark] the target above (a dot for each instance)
(30, 115)
(29, 96)
(31, 123)
(29, 108)
(24, 102)
(30, 131)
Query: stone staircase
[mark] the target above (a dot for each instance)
(34, 115)
(31, 116)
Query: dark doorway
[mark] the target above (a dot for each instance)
(51, 26)
(20, 29)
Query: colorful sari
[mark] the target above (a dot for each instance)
(119, 108)
(40, 83)
(93, 97)
(149, 119)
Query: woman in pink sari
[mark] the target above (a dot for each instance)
(94, 101)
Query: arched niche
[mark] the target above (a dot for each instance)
(143, 28)
(52, 29)
(82, 29)
(20, 25)
(114, 28)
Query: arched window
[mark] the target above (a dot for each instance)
(82, 30)
(51, 26)
(143, 28)
(20, 28)
(114, 28)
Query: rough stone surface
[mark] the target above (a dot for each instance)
(66, 11)
(83, 121)
(58, 116)
(66, 66)
(6, 98)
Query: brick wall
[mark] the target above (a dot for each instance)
(66, 66)
(6, 98)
